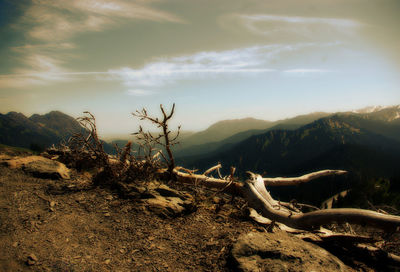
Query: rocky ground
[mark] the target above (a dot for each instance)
(63, 223)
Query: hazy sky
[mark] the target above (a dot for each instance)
(216, 59)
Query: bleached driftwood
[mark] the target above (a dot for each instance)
(218, 166)
(260, 199)
(187, 176)
(280, 181)
(256, 194)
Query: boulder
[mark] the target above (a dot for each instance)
(38, 166)
(167, 202)
(280, 251)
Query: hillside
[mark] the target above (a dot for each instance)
(18, 130)
(224, 129)
(178, 226)
(61, 124)
(282, 148)
(39, 131)
(190, 147)
(70, 223)
(46, 227)
(337, 142)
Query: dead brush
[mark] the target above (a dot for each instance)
(164, 139)
(86, 151)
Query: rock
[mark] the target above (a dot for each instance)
(47, 169)
(165, 191)
(167, 202)
(216, 200)
(108, 197)
(279, 251)
(4, 158)
(38, 166)
(31, 259)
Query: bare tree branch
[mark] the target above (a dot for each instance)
(280, 181)
(214, 168)
(256, 194)
(162, 123)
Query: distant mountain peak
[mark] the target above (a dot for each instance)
(372, 109)
(240, 121)
(381, 113)
(15, 114)
(368, 109)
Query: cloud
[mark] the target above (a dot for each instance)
(335, 22)
(139, 92)
(39, 70)
(57, 20)
(243, 62)
(210, 64)
(304, 71)
(293, 27)
(42, 46)
(49, 24)
(145, 80)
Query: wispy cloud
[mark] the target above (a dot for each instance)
(42, 46)
(57, 20)
(239, 62)
(139, 92)
(146, 80)
(313, 28)
(306, 71)
(49, 24)
(39, 70)
(335, 22)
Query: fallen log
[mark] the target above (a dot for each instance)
(189, 177)
(280, 181)
(255, 192)
(260, 199)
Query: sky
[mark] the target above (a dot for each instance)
(216, 59)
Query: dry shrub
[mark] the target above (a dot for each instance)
(85, 151)
(164, 139)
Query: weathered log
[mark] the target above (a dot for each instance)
(218, 166)
(190, 177)
(209, 182)
(259, 198)
(390, 258)
(280, 181)
(256, 194)
(359, 245)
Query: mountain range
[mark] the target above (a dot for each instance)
(364, 142)
(231, 132)
(367, 144)
(37, 131)
(281, 151)
(279, 147)
(40, 131)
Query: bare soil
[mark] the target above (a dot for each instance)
(94, 230)
(70, 225)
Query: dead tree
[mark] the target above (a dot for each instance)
(257, 195)
(163, 139)
(88, 144)
(85, 151)
(255, 192)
